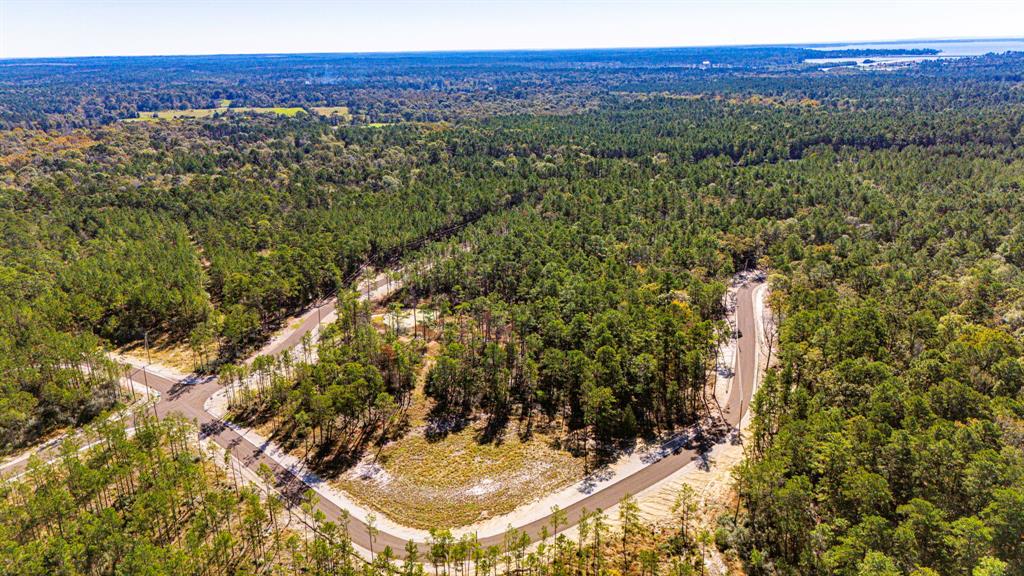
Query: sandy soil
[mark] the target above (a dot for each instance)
(457, 480)
(177, 355)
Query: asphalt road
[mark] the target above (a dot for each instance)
(188, 397)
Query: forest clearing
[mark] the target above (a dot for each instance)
(194, 113)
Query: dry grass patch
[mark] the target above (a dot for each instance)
(176, 114)
(167, 352)
(420, 405)
(457, 481)
(193, 113)
(329, 111)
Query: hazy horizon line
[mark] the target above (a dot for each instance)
(812, 45)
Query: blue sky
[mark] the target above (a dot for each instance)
(30, 28)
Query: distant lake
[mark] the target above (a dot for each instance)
(946, 48)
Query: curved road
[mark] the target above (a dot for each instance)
(188, 396)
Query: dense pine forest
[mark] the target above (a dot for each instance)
(562, 229)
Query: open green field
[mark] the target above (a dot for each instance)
(224, 108)
(457, 481)
(292, 111)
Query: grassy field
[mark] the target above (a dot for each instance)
(223, 107)
(457, 480)
(176, 114)
(279, 111)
